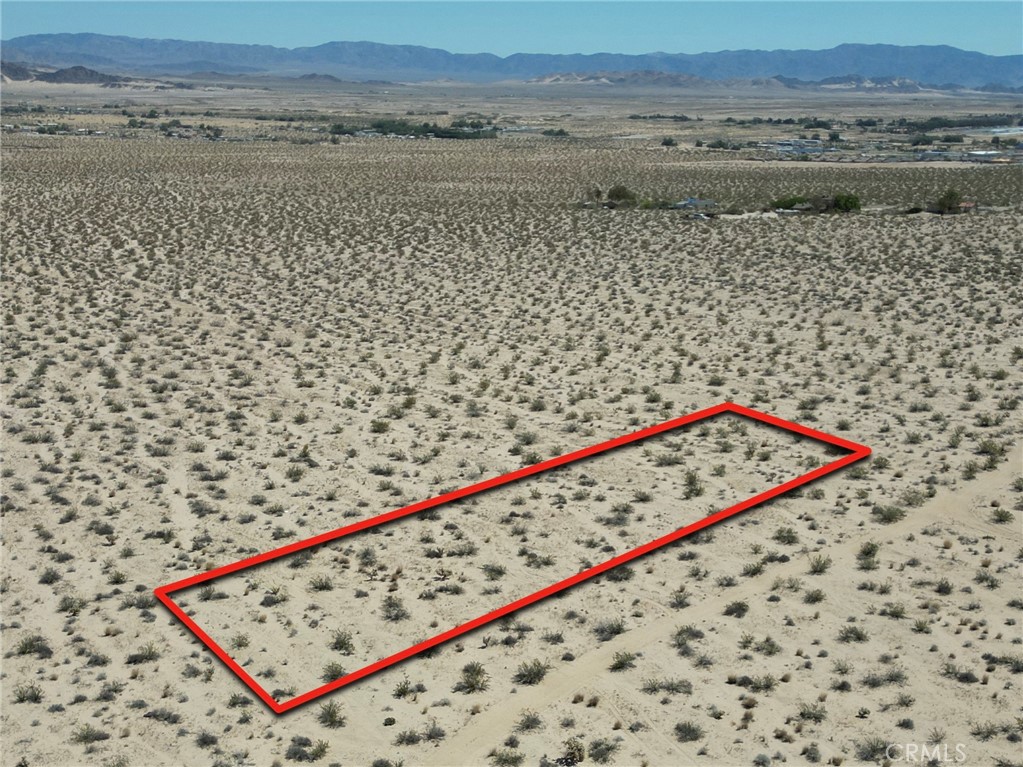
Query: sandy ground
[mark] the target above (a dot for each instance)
(214, 349)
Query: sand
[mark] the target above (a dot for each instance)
(213, 349)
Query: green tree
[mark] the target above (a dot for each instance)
(949, 201)
(847, 202)
(621, 193)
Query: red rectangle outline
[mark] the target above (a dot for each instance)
(857, 452)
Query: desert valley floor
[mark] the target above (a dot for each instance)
(215, 348)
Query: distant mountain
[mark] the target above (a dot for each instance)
(13, 71)
(861, 83)
(365, 60)
(643, 77)
(648, 78)
(652, 78)
(75, 75)
(315, 77)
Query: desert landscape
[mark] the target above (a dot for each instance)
(229, 325)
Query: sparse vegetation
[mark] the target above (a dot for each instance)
(218, 347)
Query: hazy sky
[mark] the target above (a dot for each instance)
(578, 26)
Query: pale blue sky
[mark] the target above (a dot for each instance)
(579, 26)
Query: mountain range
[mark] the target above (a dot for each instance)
(367, 60)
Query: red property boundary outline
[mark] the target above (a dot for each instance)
(857, 452)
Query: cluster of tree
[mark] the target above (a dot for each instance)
(925, 140)
(948, 202)
(836, 203)
(620, 196)
(20, 109)
(54, 129)
(392, 127)
(965, 121)
(925, 126)
(720, 143)
(471, 124)
(814, 123)
(761, 121)
(659, 116)
(150, 115)
(173, 125)
(556, 132)
(285, 118)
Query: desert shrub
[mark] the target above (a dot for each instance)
(680, 598)
(28, 693)
(145, 654)
(871, 749)
(407, 738)
(819, 564)
(1001, 516)
(333, 670)
(474, 678)
(987, 578)
(674, 686)
(622, 661)
(530, 720)
(888, 514)
(393, 609)
(330, 715)
(506, 757)
(786, 535)
(206, 740)
(687, 732)
(682, 636)
(607, 630)
(321, 583)
(87, 734)
(883, 677)
(602, 750)
(813, 712)
(493, 572)
(531, 672)
(302, 749)
(34, 645)
(737, 609)
(852, 634)
(341, 641)
(164, 715)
